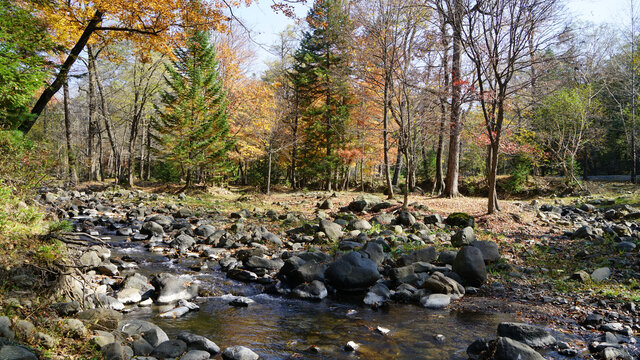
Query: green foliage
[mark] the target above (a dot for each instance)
(320, 76)
(23, 164)
(23, 42)
(60, 226)
(193, 126)
(519, 174)
(165, 171)
(49, 253)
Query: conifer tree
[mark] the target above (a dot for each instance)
(192, 123)
(321, 78)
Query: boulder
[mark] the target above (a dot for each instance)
(489, 249)
(377, 295)
(463, 237)
(152, 333)
(239, 353)
(435, 301)
(364, 202)
(362, 225)
(205, 230)
(169, 349)
(171, 288)
(152, 228)
(326, 205)
(90, 259)
(197, 342)
(469, 264)
(447, 257)
(373, 251)
(383, 219)
(405, 218)
(256, 262)
(507, 349)
(331, 229)
(601, 274)
(530, 335)
(427, 254)
(100, 319)
(440, 284)
(196, 355)
(433, 219)
(313, 291)
(460, 220)
(352, 272)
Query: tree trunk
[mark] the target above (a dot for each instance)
(93, 166)
(107, 126)
(147, 173)
(397, 168)
(269, 172)
(493, 174)
(385, 137)
(71, 158)
(61, 78)
(451, 183)
(405, 202)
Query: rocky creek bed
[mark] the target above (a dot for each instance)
(151, 278)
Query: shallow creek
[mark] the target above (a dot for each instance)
(281, 328)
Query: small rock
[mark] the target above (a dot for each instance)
(239, 353)
(351, 346)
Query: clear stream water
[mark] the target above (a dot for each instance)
(281, 328)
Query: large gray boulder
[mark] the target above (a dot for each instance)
(152, 333)
(489, 249)
(427, 255)
(531, 335)
(364, 202)
(469, 264)
(152, 228)
(169, 349)
(171, 288)
(463, 237)
(197, 342)
(9, 352)
(183, 242)
(507, 349)
(440, 284)
(331, 229)
(352, 272)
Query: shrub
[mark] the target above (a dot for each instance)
(24, 165)
(519, 175)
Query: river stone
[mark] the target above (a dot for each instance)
(405, 218)
(377, 295)
(105, 301)
(463, 237)
(169, 349)
(66, 308)
(114, 351)
(438, 283)
(612, 353)
(460, 220)
(10, 352)
(435, 301)
(197, 342)
(530, 335)
(5, 328)
(625, 246)
(508, 349)
(100, 319)
(141, 347)
(601, 274)
(364, 202)
(447, 257)
(331, 229)
(272, 238)
(149, 331)
(90, 259)
(183, 213)
(102, 338)
(205, 230)
(74, 328)
(326, 205)
(139, 282)
(314, 291)
(45, 340)
(361, 224)
(469, 264)
(152, 228)
(425, 255)
(352, 272)
(433, 219)
(196, 355)
(489, 249)
(171, 288)
(107, 269)
(24, 329)
(183, 243)
(373, 251)
(581, 276)
(129, 296)
(382, 219)
(239, 353)
(296, 271)
(256, 262)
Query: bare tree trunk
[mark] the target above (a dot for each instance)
(405, 202)
(397, 168)
(493, 174)
(71, 158)
(451, 183)
(108, 127)
(385, 136)
(147, 166)
(93, 166)
(143, 142)
(269, 171)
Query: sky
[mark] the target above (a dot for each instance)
(264, 23)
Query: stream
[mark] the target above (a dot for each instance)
(281, 328)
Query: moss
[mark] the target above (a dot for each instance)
(460, 219)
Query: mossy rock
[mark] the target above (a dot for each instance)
(460, 220)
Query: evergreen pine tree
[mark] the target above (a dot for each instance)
(320, 75)
(192, 123)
